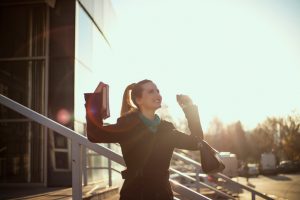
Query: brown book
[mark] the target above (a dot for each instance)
(98, 102)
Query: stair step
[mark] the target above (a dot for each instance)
(100, 193)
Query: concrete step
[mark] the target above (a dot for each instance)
(97, 193)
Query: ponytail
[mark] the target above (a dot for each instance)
(126, 103)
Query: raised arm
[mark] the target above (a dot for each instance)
(191, 113)
(98, 133)
(184, 141)
(192, 116)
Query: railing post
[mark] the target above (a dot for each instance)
(197, 179)
(253, 195)
(76, 171)
(109, 169)
(84, 166)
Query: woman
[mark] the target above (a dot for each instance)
(147, 142)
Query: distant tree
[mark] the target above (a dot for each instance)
(238, 140)
(279, 135)
(262, 138)
(216, 135)
(290, 136)
(216, 126)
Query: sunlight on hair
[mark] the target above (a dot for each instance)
(131, 102)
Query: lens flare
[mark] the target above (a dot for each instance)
(63, 116)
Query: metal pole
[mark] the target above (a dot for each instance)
(76, 171)
(197, 179)
(84, 166)
(253, 196)
(46, 83)
(109, 169)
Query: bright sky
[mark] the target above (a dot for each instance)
(238, 60)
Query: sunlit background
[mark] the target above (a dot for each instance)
(238, 60)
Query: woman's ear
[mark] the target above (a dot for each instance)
(138, 101)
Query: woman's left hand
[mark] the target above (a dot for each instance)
(184, 100)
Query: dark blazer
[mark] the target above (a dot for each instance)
(146, 179)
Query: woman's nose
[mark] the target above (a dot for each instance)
(159, 95)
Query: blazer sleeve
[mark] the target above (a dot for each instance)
(180, 140)
(189, 142)
(184, 141)
(98, 133)
(192, 116)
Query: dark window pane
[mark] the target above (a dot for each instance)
(22, 31)
(61, 160)
(18, 81)
(60, 141)
(14, 23)
(14, 152)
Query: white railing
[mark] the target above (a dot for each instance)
(201, 183)
(198, 169)
(77, 142)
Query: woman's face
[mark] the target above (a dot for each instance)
(150, 99)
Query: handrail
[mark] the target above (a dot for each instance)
(201, 183)
(67, 132)
(220, 175)
(187, 159)
(189, 193)
(77, 141)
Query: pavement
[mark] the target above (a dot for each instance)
(279, 187)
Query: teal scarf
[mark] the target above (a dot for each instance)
(151, 124)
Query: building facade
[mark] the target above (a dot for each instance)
(48, 51)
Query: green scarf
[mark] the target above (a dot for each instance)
(151, 124)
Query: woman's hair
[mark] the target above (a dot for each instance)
(132, 91)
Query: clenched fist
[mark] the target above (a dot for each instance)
(183, 100)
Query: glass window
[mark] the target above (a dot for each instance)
(14, 154)
(22, 31)
(61, 160)
(21, 139)
(60, 141)
(22, 81)
(96, 10)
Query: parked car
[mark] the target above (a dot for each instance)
(297, 164)
(287, 166)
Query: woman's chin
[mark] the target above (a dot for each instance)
(159, 106)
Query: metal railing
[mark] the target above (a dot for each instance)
(201, 183)
(197, 166)
(78, 141)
